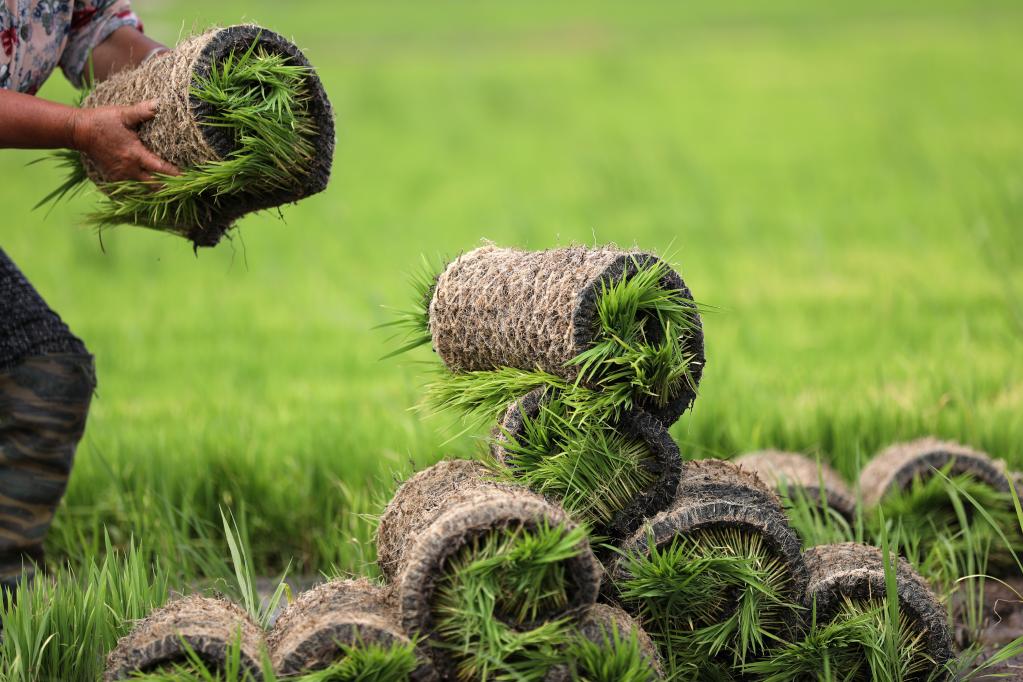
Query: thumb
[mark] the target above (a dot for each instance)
(138, 113)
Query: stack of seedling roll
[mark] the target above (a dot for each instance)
(244, 116)
(582, 356)
(500, 583)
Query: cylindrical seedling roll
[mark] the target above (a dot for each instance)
(610, 475)
(689, 569)
(609, 630)
(895, 468)
(187, 132)
(494, 308)
(211, 628)
(446, 517)
(310, 632)
(795, 473)
(854, 572)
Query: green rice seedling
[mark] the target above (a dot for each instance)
(959, 509)
(194, 669)
(617, 658)
(855, 645)
(60, 627)
(261, 100)
(594, 471)
(717, 597)
(638, 355)
(493, 593)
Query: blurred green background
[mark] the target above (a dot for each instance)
(841, 184)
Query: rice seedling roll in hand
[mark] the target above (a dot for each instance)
(611, 475)
(609, 646)
(349, 627)
(244, 116)
(210, 630)
(793, 474)
(615, 329)
(848, 579)
(490, 575)
(717, 577)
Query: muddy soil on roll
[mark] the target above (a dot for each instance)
(795, 472)
(537, 309)
(307, 635)
(895, 467)
(178, 134)
(210, 627)
(665, 463)
(856, 571)
(445, 507)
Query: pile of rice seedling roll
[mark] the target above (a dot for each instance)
(241, 113)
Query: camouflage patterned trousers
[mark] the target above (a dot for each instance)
(46, 383)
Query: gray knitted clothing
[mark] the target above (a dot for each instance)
(28, 327)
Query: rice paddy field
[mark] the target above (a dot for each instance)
(839, 185)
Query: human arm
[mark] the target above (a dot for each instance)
(105, 134)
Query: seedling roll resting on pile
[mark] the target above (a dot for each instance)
(241, 113)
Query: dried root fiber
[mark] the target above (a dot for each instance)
(312, 632)
(895, 468)
(211, 628)
(485, 572)
(190, 131)
(719, 574)
(496, 308)
(793, 474)
(609, 646)
(610, 475)
(849, 572)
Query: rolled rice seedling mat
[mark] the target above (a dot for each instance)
(895, 468)
(622, 324)
(209, 627)
(610, 646)
(312, 631)
(793, 474)
(852, 572)
(452, 523)
(719, 574)
(610, 476)
(193, 129)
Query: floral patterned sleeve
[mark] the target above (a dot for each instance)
(91, 22)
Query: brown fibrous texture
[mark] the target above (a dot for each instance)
(599, 624)
(856, 572)
(664, 463)
(210, 627)
(894, 468)
(717, 495)
(442, 509)
(498, 307)
(178, 134)
(792, 471)
(307, 635)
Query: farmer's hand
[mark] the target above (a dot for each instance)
(107, 136)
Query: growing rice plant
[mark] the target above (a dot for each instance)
(953, 509)
(709, 599)
(490, 601)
